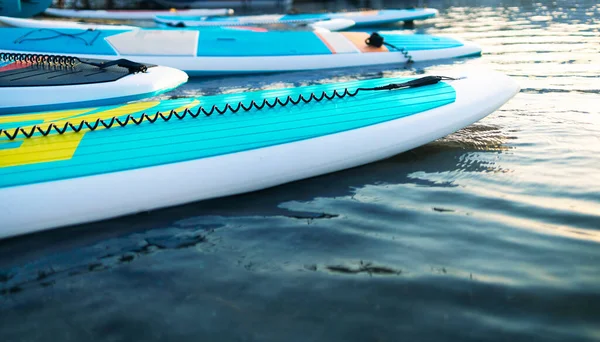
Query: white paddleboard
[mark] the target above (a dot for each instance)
(360, 18)
(239, 50)
(331, 25)
(41, 23)
(132, 14)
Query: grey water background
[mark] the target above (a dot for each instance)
(489, 234)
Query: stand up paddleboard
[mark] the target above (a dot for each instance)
(360, 18)
(60, 24)
(42, 82)
(132, 14)
(238, 51)
(71, 167)
(331, 25)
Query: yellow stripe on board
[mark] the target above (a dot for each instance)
(55, 147)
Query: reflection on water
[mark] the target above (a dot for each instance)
(490, 233)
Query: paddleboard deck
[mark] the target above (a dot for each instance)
(43, 82)
(237, 51)
(166, 153)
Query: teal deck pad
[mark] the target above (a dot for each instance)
(146, 145)
(237, 43)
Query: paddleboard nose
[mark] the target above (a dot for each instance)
(473, 85)
(470, 49)
(433, 11)
(175, 77)
(334, 24)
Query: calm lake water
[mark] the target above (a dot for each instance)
(490, 234)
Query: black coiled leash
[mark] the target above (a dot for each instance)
(116, 122)
(69, 61)
(376, 40)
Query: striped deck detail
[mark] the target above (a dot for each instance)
(337, 43)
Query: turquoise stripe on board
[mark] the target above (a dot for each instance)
(181, 140)
(66, 41)
(10, 145)
(238, 43)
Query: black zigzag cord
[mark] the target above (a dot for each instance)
(116, 122)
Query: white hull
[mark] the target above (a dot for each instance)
(58, 24)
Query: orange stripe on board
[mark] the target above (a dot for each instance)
(373, 12)
(248, 28)
(358, 39)
(324, 40)
(14, 66)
